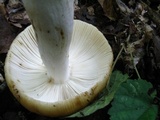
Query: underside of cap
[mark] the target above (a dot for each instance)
(90, 61)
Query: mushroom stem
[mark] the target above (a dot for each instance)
(52, 21)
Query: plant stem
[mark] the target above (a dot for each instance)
(135, 68)
(115, 61)
(52, 21)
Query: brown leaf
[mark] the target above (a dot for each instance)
(6, 35)
(101, 2)
(17, 15)
(18, 19)
(108, 8)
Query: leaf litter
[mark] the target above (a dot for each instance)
(131, 27)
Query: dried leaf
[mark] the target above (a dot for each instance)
(101, 2)
(123, 7)
(148, 33)
(17, 15)
(13, 2)
(19, 18)
(6, 35)
(108, 8)
(153, 15)
(90, 10)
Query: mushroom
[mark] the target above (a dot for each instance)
(57, 65)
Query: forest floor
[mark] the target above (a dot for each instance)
(133, 26)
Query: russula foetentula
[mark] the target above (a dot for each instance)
(58, 65)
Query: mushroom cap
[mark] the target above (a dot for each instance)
(90, 61)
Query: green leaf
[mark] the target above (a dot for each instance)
(105, 97)
(132, 102)
(150, 113)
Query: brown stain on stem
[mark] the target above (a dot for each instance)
(61, 33)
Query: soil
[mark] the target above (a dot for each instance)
(133, 27)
